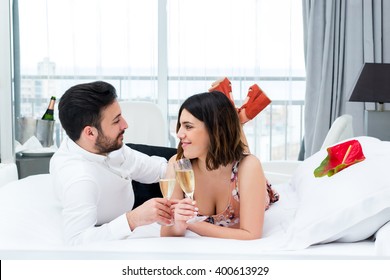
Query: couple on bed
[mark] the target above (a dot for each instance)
(92, 170)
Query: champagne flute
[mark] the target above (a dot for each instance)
(167, 185)
(186, 179)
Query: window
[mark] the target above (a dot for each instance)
(165, 51)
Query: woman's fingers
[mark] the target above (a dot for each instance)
(185, 209)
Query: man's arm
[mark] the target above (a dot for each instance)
(79, 201)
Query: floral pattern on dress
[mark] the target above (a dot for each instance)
(231, 216)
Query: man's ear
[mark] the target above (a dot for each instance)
(90, 132)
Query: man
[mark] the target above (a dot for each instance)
(93, 169)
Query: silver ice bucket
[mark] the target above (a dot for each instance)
(43, 130)
(25, 128)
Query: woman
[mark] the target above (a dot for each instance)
(231, 189)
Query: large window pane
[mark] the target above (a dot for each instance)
(63, 43)
(249, 42)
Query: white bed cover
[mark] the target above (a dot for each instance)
(30, 228)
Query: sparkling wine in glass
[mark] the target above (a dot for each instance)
(167, 185)
(186, 179)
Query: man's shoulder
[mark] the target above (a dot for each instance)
(64, 157)
(68, 164)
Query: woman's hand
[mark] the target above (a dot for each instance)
(184, 209)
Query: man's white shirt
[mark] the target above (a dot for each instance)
(96, 190)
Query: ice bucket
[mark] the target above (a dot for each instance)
(26, 127)
(44, 132)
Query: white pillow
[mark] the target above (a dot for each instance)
(348, 206)
(30, 214)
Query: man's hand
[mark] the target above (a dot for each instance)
(154, 210)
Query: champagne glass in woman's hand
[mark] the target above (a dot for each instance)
(185, 178)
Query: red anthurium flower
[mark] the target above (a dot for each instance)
(339, 157)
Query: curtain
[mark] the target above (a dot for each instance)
(339, 37)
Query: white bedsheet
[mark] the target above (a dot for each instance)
(30, 228)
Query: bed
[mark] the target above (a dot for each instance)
(345, 216)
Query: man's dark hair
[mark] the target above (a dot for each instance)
(82, 105)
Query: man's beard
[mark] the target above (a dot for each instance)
(106, 145)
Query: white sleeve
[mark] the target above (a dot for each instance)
(79, 200)
(143, 168)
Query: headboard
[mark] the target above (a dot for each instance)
(144, 192)
(146, 123)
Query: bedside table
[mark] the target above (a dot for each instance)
(32, 165)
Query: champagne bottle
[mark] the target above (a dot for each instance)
(49, 114)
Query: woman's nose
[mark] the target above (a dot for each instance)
(180, 134)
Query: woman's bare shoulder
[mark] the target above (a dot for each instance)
(250, 163)
(250, 159)
(172, 159)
